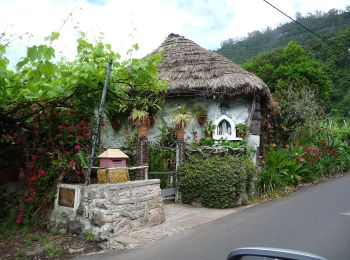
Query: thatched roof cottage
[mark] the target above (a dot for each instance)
(198, 77)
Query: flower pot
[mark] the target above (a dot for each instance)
(208, 134)
(180, 134)
(142, 131)
(201, 119)
(240, 134)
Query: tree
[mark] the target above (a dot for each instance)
(284, 66)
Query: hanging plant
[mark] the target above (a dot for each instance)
(140, 119)
(180, 121)
(241, 129)
(200, 113)
(209, 129)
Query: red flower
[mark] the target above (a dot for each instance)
(34, 178)
(85, 129)
(78, 172)
(70, 128)
(79, 137)
(42, 172)
(77, 147)
(88, 135)
(333, 151)
(83, 122)
(18, 221)
(60, 126)
(29, 165)
(34, 157)
(30, 200)
(36, 117)
(73, 164)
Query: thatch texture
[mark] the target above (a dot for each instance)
(191, 69)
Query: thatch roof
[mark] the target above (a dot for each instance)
(191, 69)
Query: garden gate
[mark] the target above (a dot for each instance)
(162, 165)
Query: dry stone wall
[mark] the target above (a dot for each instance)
(109, 210)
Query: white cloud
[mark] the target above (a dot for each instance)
(207, 22)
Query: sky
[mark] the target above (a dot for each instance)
(146, 22)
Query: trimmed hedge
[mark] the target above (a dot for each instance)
(215, 181)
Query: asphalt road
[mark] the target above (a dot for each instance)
(309, 220)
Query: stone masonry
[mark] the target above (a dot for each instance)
(109, 210)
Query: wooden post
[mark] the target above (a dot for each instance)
(141, 156)
(180, 152)
(250, 117)
(96, 132)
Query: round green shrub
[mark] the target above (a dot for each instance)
(215, 181)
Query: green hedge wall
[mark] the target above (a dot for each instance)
(215, 181)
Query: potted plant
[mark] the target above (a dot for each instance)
(209, 129)
(140, 119)
(180, 121)
(200, 113)
(241, 129)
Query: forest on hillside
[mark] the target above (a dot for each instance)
(333, 51)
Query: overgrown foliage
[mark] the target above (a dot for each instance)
(47, 109)
(321, 152)
(215, 181)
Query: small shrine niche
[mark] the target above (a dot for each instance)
(225, 129)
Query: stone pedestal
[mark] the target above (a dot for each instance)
(109, 210)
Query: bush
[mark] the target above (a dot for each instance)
(280, 171)
(215, 181)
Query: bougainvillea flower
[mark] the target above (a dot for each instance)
(34, 157)
(79, 137)
(66, 153)
(78, 172)
(88, 135)
(34, 178)
(60, 126)
(73, 164)
(70, 128)
(83, 122)
(42, 172)
(29, 165)
(30, 200)
(77, 147)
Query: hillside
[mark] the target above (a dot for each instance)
(325, 24)
(333, 52)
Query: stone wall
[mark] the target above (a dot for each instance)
(109, 210)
